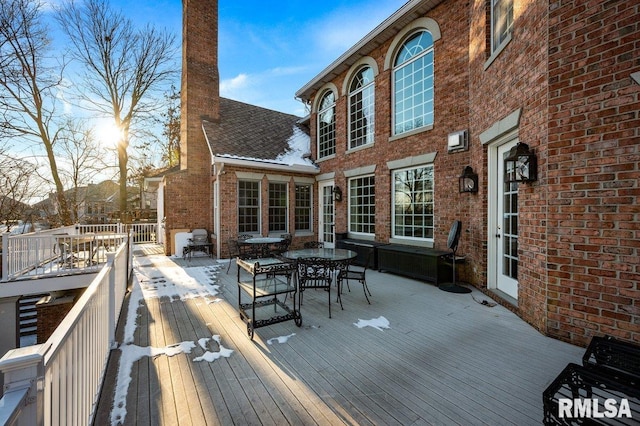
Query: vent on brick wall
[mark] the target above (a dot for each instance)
(457, 141)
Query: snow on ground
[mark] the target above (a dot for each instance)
(157, 276)
(379, 323)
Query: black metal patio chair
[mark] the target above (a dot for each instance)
(316, 273)
(350, 272)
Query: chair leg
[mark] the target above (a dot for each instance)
(365, 288)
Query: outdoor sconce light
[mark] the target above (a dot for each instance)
(468, 180)
(337, 193)
(520, 164)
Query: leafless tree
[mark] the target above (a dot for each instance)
(30, 81)
(170, 121)
(124, 67)
(18, 186)
(78, 146)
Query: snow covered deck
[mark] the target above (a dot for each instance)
(416, 355)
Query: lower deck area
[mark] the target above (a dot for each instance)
(415, 355)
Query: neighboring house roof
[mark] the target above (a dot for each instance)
(248, 132)
(388, 29)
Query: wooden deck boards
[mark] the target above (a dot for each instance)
(446, 359)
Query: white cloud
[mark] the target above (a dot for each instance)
(235, 84)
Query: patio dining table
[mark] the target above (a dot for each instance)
(334, 255)
(258, 246)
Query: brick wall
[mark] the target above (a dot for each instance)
(188, 194)
(451, 114)
(50, 312)
(515, 79)
(594, 152)
(228, 205)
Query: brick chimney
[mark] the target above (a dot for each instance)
(187, 194)
(200, 80)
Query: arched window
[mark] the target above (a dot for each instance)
(327, 125)
(361, 108)
(413, 84)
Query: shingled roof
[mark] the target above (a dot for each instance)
(253, 133)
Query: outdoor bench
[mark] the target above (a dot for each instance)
(363, 248)
(422, 263)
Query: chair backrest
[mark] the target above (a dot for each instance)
(315, 271)
(367, 263)
(454, 235)
(314, 244)
(234, 247)
(199, 236)
(244, 237)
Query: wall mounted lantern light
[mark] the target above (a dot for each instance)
(468, 180)
(337, 193)
(520, 164)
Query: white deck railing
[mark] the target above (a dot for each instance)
(58, 382)
(67, 250)
(142, 232)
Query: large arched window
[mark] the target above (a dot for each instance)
(327, 125)
(361, 108)
(413, 84)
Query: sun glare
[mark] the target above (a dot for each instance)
(109, 134)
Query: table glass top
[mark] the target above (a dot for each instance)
(261, 240)
(325, 253)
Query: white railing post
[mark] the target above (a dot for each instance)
(112, 298)
(5, 256)
(23, 369)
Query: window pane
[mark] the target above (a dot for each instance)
(248, 207)
(413, 202)
(278, 207)
(303, 208)
(501, 21)
(413, 84)
(326, 126)
(361, 108)
(362, 209)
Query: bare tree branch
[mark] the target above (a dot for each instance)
(29, 83)
(124, 66)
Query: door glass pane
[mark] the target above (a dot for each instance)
(510, 227)
(327, 214)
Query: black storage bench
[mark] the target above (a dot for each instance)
(422, 263)
(362, 248)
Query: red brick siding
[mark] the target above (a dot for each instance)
(515, 79)
(229, 207)
(594, 152)
(451, 114)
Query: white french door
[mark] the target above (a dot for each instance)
(503, 226)
(326, 219)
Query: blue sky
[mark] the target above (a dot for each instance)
(268, 50)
